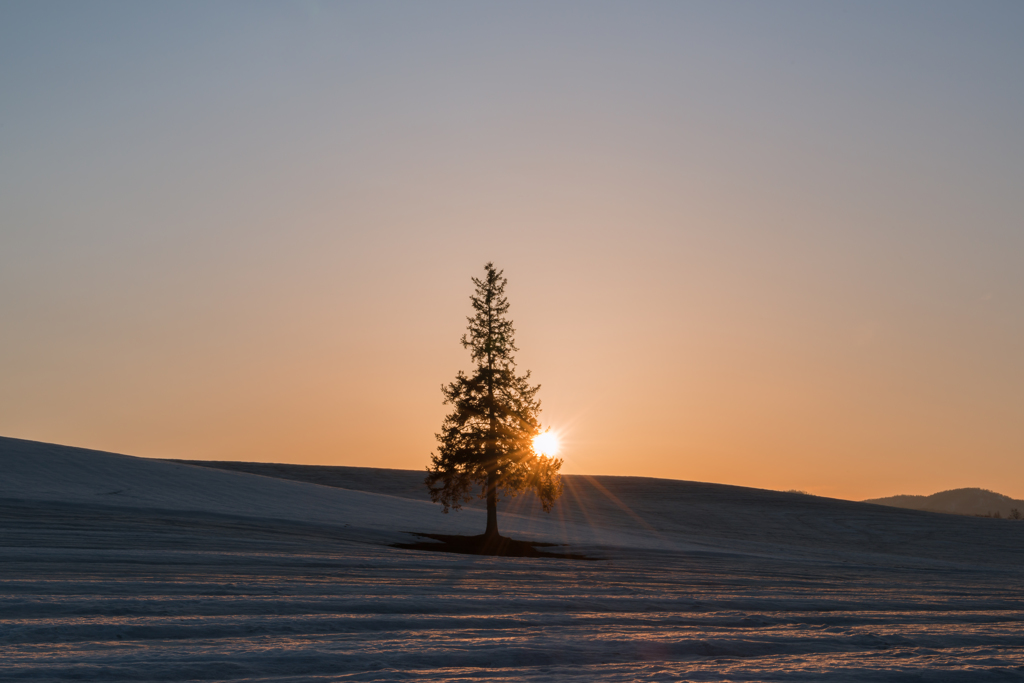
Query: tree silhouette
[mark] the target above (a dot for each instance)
(487, 440)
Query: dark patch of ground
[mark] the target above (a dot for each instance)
(501, 546)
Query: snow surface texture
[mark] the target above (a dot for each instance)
(119, 568)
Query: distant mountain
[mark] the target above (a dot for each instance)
(970, 501)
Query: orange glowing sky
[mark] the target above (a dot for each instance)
(776, 245)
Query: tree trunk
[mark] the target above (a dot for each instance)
(492, 467)
(492, 504)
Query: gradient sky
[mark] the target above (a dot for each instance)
(768, 244)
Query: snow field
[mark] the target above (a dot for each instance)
(190, 575)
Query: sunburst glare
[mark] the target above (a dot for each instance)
(546, 444)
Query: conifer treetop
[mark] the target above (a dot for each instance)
(491, 337)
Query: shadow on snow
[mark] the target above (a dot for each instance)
(500, 546)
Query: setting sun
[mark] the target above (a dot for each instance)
(545, 444)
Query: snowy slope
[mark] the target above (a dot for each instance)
(36, 471)
(44, 472)
(611, 512)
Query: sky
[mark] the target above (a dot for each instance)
(777, 245)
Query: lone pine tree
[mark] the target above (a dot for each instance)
(486, 443)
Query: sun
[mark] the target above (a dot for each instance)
(545, 444)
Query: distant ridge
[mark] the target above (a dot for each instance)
(966, 501)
